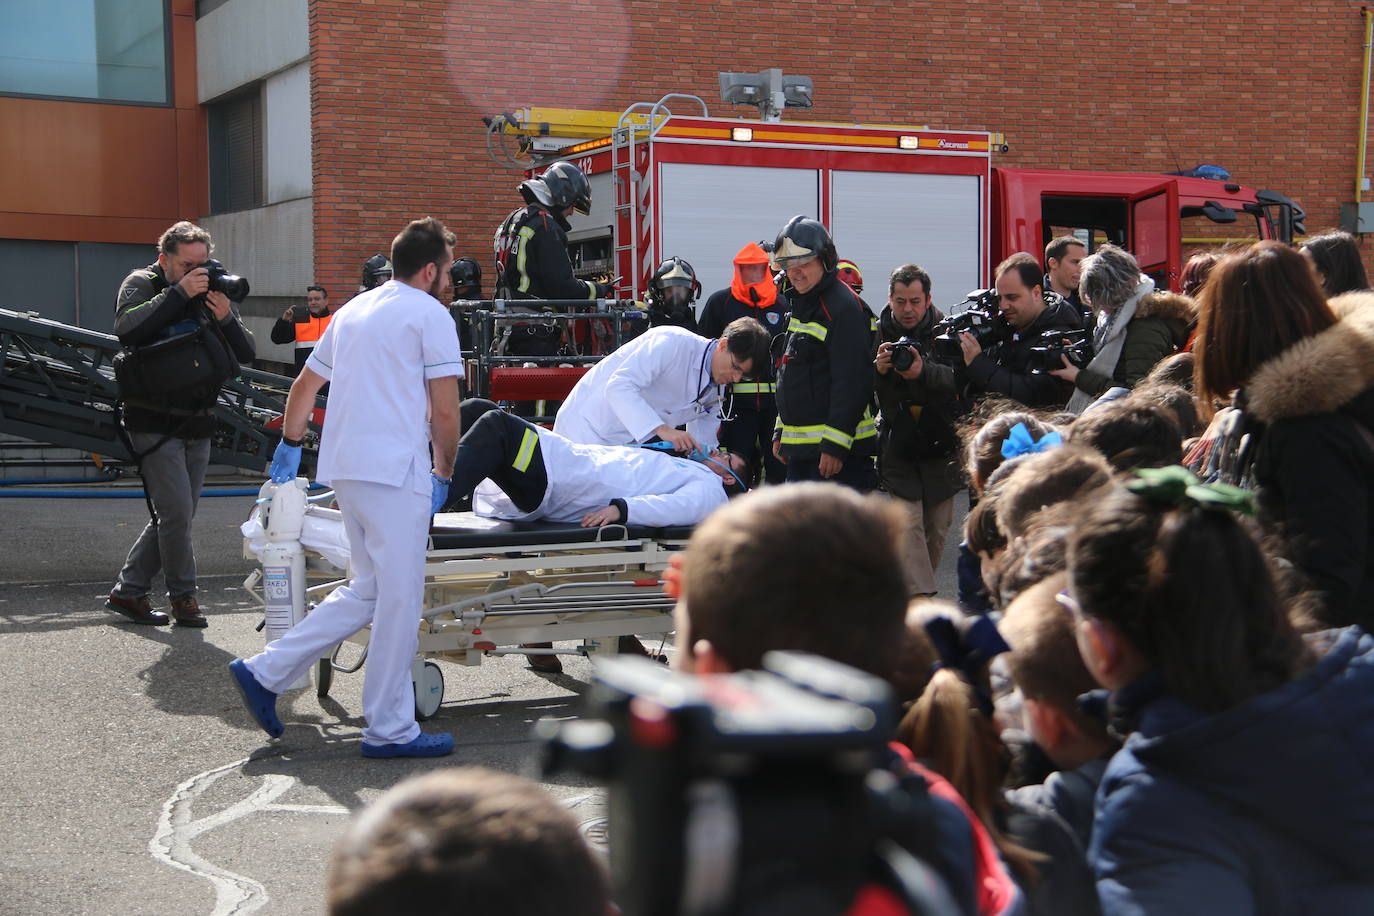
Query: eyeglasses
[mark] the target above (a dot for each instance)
(1070, 603)
(734, 364)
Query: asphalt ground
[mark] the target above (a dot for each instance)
(131, 778)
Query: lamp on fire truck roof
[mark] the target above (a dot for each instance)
(768, 89)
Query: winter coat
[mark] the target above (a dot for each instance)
(916, 438)
(825, 382)
(1159, 329)
(1069, 794)
(1314, 463)
(1003, 369)
(1266, 808)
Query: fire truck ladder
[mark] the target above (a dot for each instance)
(57, 386)
(631, 205)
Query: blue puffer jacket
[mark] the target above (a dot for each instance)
(1267, 808)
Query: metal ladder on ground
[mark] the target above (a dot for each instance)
(630, 207)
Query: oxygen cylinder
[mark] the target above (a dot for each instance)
(283, 560)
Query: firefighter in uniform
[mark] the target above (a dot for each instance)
(747, 430)
(304, 327)
(825, 428)
(672, 291)
(532, 244)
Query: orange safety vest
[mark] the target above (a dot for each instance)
(310, 332)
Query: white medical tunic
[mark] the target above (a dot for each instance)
(378, 353)
(659, 489)
(662, 377)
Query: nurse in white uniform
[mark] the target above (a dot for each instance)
(392, 359)
(665, 378)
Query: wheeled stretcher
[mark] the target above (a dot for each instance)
(490, 586)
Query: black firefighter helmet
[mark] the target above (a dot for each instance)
(674, 285)
(466, 275)
(801, 239)
(561, 186)
(376, 271)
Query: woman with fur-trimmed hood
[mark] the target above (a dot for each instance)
(1305, 373)
(1136, 326)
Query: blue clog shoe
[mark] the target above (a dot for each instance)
(436, 745)
(261, 702)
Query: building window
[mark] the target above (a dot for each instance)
(103, 50)
(235, 143)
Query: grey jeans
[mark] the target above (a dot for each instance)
(172, 477)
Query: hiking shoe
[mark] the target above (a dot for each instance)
(261, 702)
(139, 610)
(425, 745)
(186, 613)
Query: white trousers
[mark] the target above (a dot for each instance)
(387, 528)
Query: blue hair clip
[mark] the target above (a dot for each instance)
(1019, 442)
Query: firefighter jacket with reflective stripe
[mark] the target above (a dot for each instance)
(825, 381)
(531, 249)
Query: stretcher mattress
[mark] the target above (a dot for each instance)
(458, 530)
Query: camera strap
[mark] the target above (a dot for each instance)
(138, 456)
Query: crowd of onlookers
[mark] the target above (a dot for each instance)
(1155, 692)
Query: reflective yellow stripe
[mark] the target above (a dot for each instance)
(813, 435)
(837, 437)
(873, 324)
(526, 233)
(755, 388)
(818, 331)
(526, 452)
(801, 435)
(868, 427)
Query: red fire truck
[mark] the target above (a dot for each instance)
(666, 183)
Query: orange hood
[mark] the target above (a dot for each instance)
(761, 294)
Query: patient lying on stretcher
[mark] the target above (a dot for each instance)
(517, 471)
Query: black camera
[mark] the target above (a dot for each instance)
(760, 792)
(222, 281)
(904, 352)
(1046, 355)
(977, 315)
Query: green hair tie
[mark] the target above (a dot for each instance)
(1178, 486)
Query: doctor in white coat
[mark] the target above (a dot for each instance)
(665, 378)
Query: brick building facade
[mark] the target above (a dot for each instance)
(1269, 91)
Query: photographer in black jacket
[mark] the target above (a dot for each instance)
(171, 434)
(1029, 312)
(916, 438)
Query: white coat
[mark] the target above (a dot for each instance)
(662, 377)
(659, 489)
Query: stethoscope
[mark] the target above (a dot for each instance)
(722, 408)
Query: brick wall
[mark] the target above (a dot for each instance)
(1270, 91)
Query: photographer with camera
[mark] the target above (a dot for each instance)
(304, 326)
(183, 296)
(916, 438)
(1030, 316)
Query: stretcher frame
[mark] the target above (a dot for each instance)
(492, 587)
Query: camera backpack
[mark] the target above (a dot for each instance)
(189, 362)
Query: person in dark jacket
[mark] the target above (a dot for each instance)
(1243, 787)
(825, 383)
(304, 327)
(532, 244)
(917, 444)
(171, 435)
(1136, 326)
(1003, 368)
(748, 430)
(1305, 370)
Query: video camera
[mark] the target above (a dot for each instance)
(222, 281)
(760, 792)
(1045, 355)
(977, 315)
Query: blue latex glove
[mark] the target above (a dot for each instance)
(286, 460)
(440, 494)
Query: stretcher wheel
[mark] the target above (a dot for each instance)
(429, 691)
(324, 677)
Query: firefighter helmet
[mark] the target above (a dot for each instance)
(466, 275)
(376, 271)
(561, 186)
(676, 274)
(849, 272)
(802, 239)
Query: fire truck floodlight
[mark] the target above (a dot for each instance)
(742, 134)
(908, 141)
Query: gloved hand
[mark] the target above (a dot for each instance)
(439, 496)
(286, 460)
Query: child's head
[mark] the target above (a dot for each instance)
(1168, 580)
(987, 448)
(466, 840)
(1175, 399)
(1034, 556)
(811, 566)
(1131, 433)
(1047, 479)
(1046, 667)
